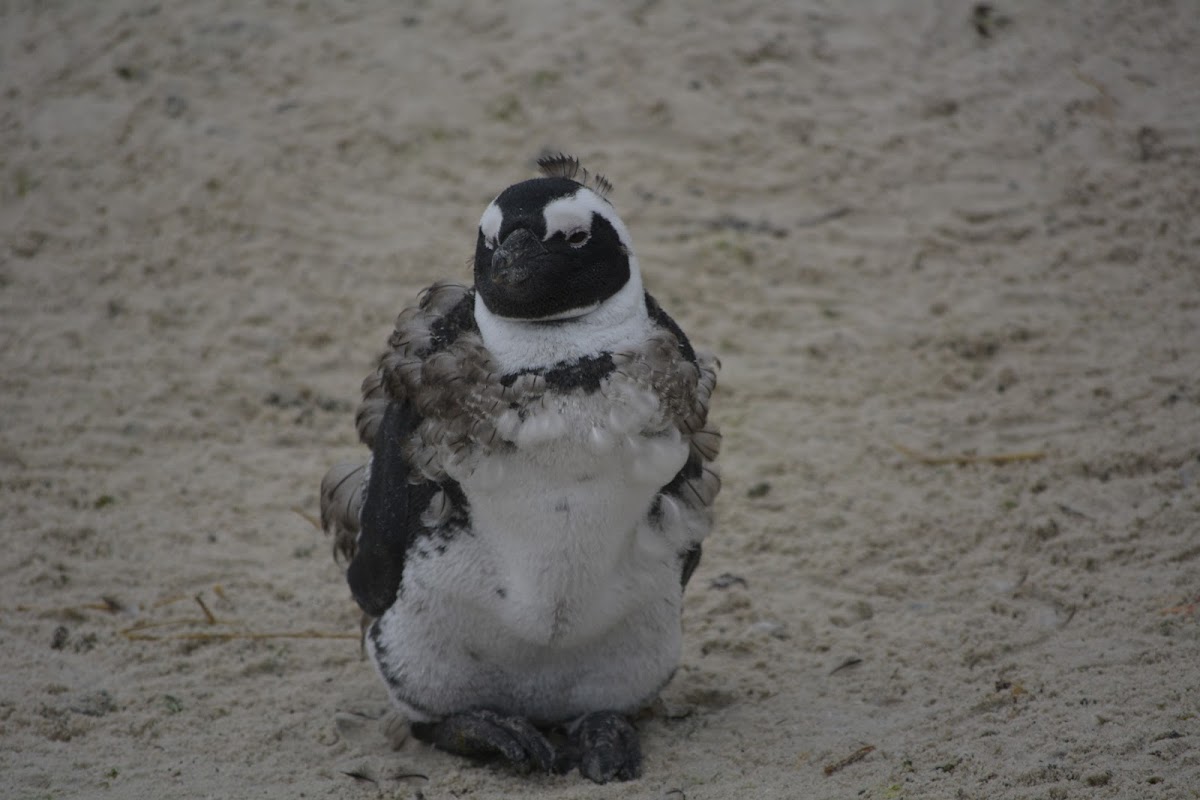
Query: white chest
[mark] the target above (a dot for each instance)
(559, 522)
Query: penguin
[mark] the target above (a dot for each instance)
(540, 482)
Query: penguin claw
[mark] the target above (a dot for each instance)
(484, 734)
(604, 745)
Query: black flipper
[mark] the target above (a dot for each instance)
(692, 470)
(485, 734)
(689, 561)
(390, 515)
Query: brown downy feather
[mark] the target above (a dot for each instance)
(457, 392)
(342, 492)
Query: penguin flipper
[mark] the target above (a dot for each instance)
(390, 514)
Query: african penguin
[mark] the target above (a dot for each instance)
(540, 481)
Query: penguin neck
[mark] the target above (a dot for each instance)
(518, 344)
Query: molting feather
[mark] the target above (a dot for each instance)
(565, 166)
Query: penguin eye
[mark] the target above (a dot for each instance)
(578, 238)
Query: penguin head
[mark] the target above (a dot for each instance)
(552, 249)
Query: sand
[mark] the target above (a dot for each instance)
(950, 261)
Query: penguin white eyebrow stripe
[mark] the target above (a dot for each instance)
(574, 212)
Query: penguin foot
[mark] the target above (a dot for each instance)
(483, 734)
(604, 745)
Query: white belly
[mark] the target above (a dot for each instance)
(565, 532)
(562, 597)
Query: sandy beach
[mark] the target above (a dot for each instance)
(948, 254)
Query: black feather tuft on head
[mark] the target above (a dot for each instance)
(559, 166)
(565, 166)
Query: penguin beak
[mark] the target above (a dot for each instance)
(514, 259)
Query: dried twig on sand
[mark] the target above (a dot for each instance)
(857, 755)
(967, 458)
(135, 634)
(141, 631)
